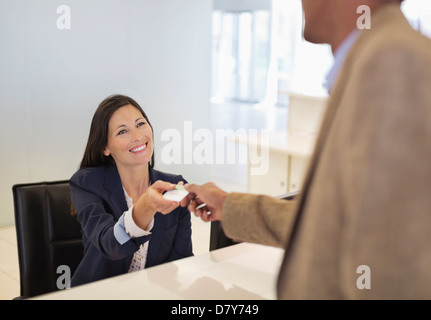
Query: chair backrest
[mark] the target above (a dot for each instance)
(218, 238)
(48, 236)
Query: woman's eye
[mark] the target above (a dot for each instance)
(121, 132)
(141, 123)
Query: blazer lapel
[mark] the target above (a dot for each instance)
(112, 185)
(158, 228)
(331, 111)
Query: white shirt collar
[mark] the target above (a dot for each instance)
(129, 199)
(339, 57)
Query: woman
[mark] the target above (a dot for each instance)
(126, 223)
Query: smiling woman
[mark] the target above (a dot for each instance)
(99, 131)
(126, 223)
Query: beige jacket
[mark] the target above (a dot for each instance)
(366, 199)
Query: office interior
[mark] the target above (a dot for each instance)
(222, 67)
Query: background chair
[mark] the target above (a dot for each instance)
(218, 238)
(48, 236)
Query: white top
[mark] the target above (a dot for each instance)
(134, 231)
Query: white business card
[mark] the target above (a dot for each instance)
(178, 194)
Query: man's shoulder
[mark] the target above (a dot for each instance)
(391, 37)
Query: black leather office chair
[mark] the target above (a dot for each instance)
(218, 238)
(48, 236)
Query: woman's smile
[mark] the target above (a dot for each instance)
(140, 148)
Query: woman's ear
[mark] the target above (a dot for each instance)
(106, 152)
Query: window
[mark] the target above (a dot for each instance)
(259, 55)
(301, 65)
(240, 55)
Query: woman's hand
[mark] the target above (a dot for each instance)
(151, 202)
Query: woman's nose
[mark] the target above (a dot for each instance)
(136, 135)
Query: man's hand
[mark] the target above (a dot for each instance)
(209, 194)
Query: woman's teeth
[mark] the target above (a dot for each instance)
(140, 148)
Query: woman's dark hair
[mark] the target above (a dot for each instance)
(98, 136)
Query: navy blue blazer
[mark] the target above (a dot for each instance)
(98, 197)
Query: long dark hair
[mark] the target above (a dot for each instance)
(98, 137)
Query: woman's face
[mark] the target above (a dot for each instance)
(130, 138)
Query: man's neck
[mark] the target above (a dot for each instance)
(340, 38)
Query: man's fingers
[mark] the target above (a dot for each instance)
(187, 200)
(204, 214)
(190, 187)
(192, 205)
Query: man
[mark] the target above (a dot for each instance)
(361, 226)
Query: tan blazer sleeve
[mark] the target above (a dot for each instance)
(258, 218)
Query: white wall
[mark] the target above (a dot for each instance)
(52, 80)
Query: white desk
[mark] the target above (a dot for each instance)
(240, 272)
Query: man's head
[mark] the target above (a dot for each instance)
(331, 21)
